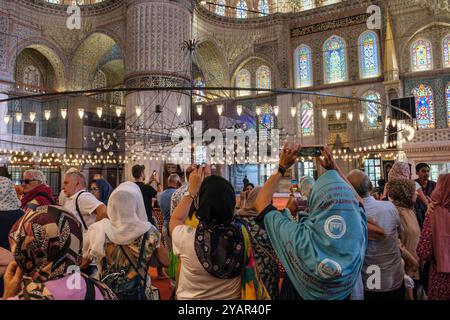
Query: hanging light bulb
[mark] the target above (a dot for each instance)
(388, 121)
(239, 109)
(350, 116)
(276, 110)
(19, 116)
(118, 111)
(64, 113)
(324, 113)
(293, 111)
(258, 110)
(179, 110)
(47, 114)
(199, 109)
(99, 111)
(219, 109)
(6, 118)
(338, 114)
(361, 117)
(81, 113)
(394, 123)
(32, 116)
(138, 111)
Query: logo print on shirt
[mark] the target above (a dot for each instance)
(328, 269)
(335, 227)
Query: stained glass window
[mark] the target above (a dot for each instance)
(266, 117)
(220, 7)
(372, 109)
(241, 9)
(446, 51)
(263, 78)
(243, 81)
(368, 55)
(302, 63)
(421, 55)
(372, 167)
(306, 4)
(424, 106)
(306, 118)
(335, 60)
(448, 104)
(199, 95)
(263, 8)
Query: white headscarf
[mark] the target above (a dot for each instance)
(8, 198)
(127, 221)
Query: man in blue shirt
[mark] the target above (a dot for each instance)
(164, 200)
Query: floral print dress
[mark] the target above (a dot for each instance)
(116, 267)
(265, 257)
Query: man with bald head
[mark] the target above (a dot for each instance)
(383, 253)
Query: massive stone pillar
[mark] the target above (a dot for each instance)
(156, 31)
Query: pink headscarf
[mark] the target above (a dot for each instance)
(440, 223)
(400, 170)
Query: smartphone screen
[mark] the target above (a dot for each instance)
(315, 151)
(200, 155)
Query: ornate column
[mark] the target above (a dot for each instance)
(156, 30)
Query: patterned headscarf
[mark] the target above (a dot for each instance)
(306, 186)
(400, 170)
(8, 199)
(401, 192)
(45, 243)
(219, 242)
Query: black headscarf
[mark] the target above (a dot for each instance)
(219, 242)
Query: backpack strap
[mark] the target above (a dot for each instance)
(77, 208)
(139, 261)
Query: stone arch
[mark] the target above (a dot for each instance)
(50, 51)
(240, 63)
(210, 60)
(89, 54)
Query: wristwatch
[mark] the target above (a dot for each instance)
(188, 194)
(282, 170)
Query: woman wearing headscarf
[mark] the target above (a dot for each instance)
(46, 244)
(434, 241)
(323, 252)
(402, 171)
(123, 245)
(265, 257)
(102, 190)
(10, 212)
(403, 195)
(215, 255)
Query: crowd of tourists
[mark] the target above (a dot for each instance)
(338, 237)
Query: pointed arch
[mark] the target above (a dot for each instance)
(335, 60)
(369, 61)
(303, 66)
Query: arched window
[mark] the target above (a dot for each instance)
(306, 118)
(302, 63)
(424, 106)
(241, 9)
(199, 94)
(98, 83)
(243, 81)
(421, 55)
(446, 51)
(448, 104)
(31, 76)
(263, 8)
(220, 7)
(335, 60)
(372, 109)
(263, 78)
(266, 118)
(368, 55)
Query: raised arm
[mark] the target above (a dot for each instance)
(287, 159)
(181, 212)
